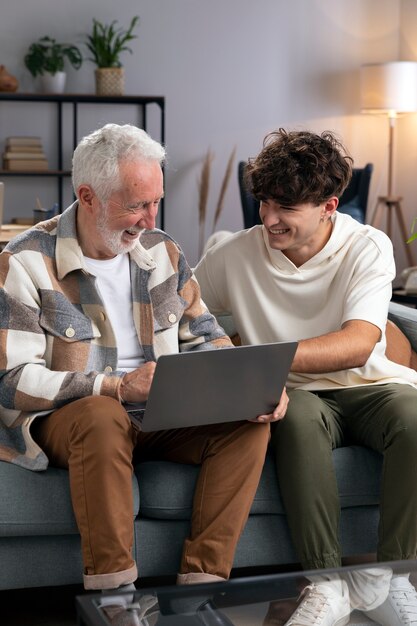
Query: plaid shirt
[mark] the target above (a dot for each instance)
(56, 341)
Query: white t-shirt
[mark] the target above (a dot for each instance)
(113, 283)
(273, 300)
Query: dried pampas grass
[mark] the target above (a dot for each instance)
(204, 188)
(223, 189)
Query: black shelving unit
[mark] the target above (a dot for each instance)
(142, 102)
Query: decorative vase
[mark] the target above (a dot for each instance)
(52, 83)
(110, 81)
(7, 81)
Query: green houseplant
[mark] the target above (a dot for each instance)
(413, 232)
(46, 55)
(106, 43)
(46, 58)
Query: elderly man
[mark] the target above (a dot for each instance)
(313, 274)
(89, 301)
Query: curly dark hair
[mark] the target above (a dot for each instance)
(299, 166)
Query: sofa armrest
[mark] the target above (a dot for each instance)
(406, 319)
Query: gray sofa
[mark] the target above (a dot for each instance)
(40, 546)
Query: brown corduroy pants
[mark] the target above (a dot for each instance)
(94, 439)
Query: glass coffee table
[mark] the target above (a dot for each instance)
(266, 600)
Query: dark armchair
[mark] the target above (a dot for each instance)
(353, 201)
(250, 206)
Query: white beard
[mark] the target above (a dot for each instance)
(113, 238)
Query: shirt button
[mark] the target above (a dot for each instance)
(172, 318)
(108, 369)
(70, 332)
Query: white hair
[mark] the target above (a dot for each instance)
(97, 157)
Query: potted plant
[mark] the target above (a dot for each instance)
(46, 58)
(413, 231)
(106, 43)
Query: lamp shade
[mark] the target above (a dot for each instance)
(389, 87)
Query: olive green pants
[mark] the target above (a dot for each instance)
(381, 417)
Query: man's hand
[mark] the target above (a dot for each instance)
(279, 411)
(135, 385)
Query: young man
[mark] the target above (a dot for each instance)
(89, 300)
(313, 274)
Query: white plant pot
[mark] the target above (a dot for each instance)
(52, 83)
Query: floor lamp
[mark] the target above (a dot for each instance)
(390, 89)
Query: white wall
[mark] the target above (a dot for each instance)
(406, 133)
(231, 70)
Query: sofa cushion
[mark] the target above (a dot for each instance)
(38, 503)
(358, 472)
(166, 489)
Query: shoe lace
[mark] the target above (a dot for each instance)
(406, 601)
(312, 608)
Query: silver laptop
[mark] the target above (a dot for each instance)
(213, 386)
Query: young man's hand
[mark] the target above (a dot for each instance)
(279, 411)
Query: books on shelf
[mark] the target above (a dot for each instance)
(18, 149)
(24, 154)
(21, 140)
(25, 164)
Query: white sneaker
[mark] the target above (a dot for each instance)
(122, 610)
(400, 607)
(117, 615)
(368, 588)
(322, 604)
